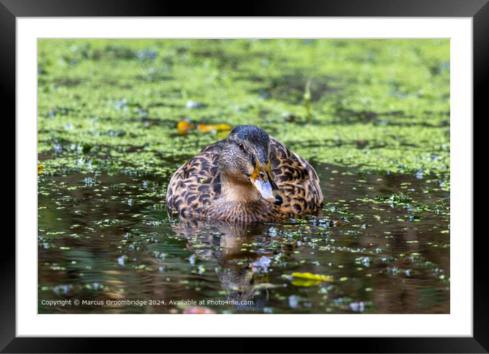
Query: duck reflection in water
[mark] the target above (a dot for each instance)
(243, 256)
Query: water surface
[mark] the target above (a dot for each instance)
(381, 240)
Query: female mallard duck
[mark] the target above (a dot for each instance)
(247, 177)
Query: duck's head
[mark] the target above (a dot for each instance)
(245, 159)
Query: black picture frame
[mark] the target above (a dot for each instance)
(478, 10)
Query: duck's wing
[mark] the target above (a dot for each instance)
(195, 184)
(296, 179)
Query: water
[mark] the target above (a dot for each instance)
(382, 243)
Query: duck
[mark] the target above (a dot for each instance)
(248, 177)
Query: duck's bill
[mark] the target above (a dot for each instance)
(265, 188)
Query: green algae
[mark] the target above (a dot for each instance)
(381, 105)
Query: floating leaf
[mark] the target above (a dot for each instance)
(207, 128)
(309, 279)
(184, 126)
(312, 276)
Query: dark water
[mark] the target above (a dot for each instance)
(383, 239)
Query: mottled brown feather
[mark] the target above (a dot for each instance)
(296, 179)
(195, 188)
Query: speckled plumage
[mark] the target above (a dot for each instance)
(195, 189)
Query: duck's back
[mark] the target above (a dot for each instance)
(296, 179)
(196, 184)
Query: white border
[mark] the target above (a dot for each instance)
(457, 323)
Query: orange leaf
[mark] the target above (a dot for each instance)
(183, 127)
(206, 128)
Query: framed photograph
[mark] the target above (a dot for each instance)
(294, 177)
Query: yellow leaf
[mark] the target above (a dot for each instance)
(306, 283)
(40, 169)
(311, 276)
(183, 127)
(206, 128)
(309, 279)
